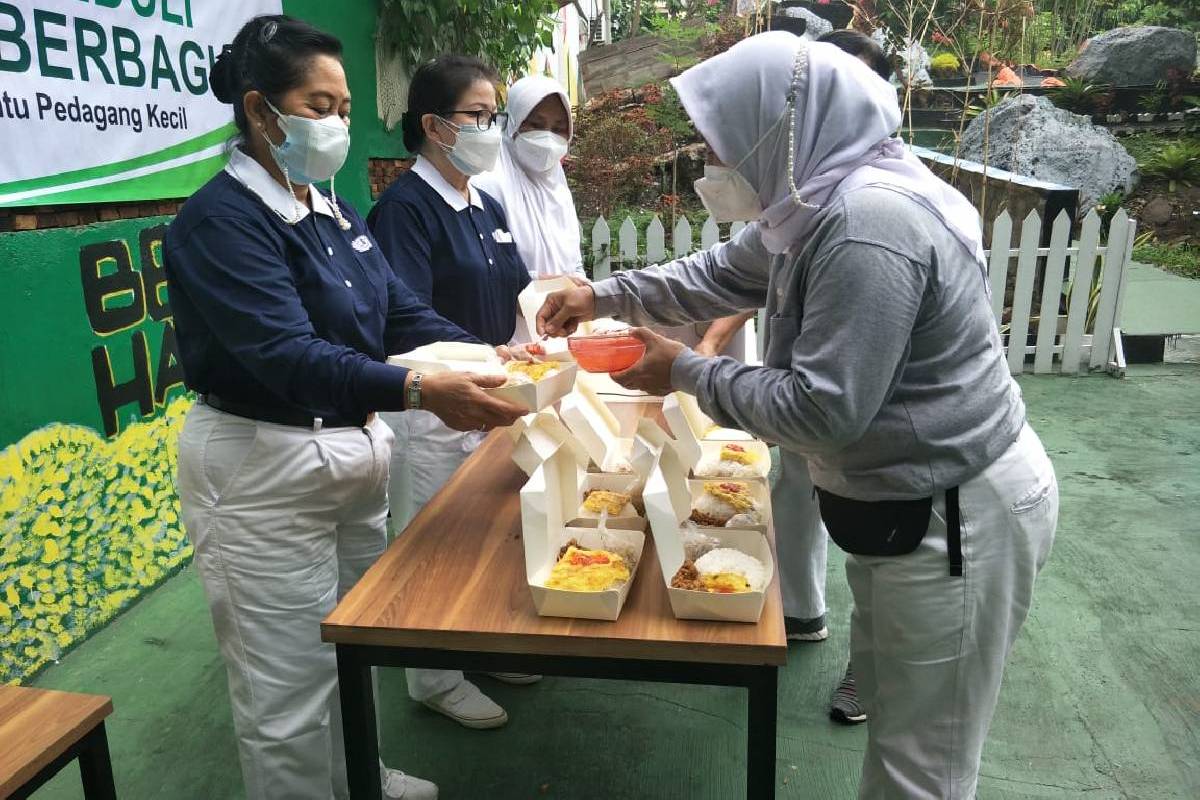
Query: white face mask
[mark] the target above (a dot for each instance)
(313, 149)
(474, 151)
(727, 195)
(540, 151)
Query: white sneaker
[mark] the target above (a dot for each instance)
(398, 786)
(515, 678)
(468, 706)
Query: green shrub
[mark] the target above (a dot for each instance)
(1182, 259)
(1078, 96)
(664, 108)
(1176, 163)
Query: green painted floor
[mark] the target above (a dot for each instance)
(1159, 302)
(1102, 698)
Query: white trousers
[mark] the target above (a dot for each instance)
(283, 522)
(800, 540)
(929, 649)
(426, 455)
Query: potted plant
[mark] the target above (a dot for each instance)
(947, 70)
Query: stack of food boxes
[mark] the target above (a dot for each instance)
(593, 486)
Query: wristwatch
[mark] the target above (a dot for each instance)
(412, 395)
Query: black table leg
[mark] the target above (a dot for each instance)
(760, 734)
(95, 766)
(358, 724)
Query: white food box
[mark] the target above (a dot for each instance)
(536, 436)
(598, 429)
(482, 359)
(545, 532)
(602, 384)
(758, 490)
(681, 408)
(668, 505)
(648, 442)
(530, 302)
(691, 427)
(626, 484)
(571, 484)
(710, 453)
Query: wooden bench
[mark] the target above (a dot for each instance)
(41, 731)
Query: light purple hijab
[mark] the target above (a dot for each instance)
(842, 134)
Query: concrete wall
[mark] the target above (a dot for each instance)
(91, 394)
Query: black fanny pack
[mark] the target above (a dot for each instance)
(888, 527)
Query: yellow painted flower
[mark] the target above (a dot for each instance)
(44, 525)
(86, 525)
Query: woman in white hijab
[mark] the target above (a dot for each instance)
(883, 368)
(529, 182)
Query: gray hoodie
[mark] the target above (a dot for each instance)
(883, 365)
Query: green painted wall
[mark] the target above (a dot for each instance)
(47, 338)
(79, 302)
(91, 400)
(353, 21)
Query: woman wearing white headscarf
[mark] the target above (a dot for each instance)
(883, 368)
(529, 182)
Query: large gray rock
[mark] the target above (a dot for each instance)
(1031, 136)
(817, 26)
(1135, 56)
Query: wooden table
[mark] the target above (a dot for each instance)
(42, 731)
(451, 593)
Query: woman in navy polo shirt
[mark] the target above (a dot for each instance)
(285, 309)
(451, 245)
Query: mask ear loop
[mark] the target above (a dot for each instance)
(287, 184)
(287, 180)
(447, 148)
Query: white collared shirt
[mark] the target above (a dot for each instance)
(427, 172)
(248, 172)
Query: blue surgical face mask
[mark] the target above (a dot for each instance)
(474, 151)
(313, 150)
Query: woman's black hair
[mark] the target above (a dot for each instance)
(436, 88)
(862, 46)
(270, 54)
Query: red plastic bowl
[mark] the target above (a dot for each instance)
(607, 352)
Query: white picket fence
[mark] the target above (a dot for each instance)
(1069, 346)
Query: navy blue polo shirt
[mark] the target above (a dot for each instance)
(298, 316)
(455, 255)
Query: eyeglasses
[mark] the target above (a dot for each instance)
(484, 119)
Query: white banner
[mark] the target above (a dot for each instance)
(109, 100)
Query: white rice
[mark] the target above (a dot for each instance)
(715, 468)
(518, 379)
(751, 517)
(726, 559)
(713, 506)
